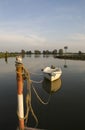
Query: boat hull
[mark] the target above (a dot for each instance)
(51, 87)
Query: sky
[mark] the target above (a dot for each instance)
(42, 25)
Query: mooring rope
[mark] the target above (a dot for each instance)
(36, 74)
(38, 82)
(39, 97)
(28, 98)
(26, 75)
(30, 106)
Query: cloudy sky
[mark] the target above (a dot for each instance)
(42, 24)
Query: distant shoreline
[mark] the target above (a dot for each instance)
(70, 56)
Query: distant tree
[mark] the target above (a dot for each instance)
(47, 52)
(79, 52)
(44, 52)
(28, 52)
(37, 52)
(60, 51)
(22, 51)
(54, 51)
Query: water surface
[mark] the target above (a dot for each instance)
(66, 107)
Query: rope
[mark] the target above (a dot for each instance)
(37, 81)
(33, 114)
(36, 74)
(18, 72)
(28, 98)
(27, 107)
(25, 72)
(40, 98)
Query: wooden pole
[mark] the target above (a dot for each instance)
(19, 71)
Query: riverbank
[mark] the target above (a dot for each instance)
(72, 56)
(6, 55)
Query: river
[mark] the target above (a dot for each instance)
(66, 107)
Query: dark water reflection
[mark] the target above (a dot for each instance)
(66, 108)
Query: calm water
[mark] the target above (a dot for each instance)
(66, 107)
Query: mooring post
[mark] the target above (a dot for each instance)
(19, 71)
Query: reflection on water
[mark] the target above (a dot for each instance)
(6, 59)
(65, 64)
(29, 55)
(37, 55)
(51, 87)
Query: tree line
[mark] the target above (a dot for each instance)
(61, 53)
(55, 51)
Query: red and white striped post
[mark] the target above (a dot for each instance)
(19, 71)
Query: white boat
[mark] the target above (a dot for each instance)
(52, 73)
